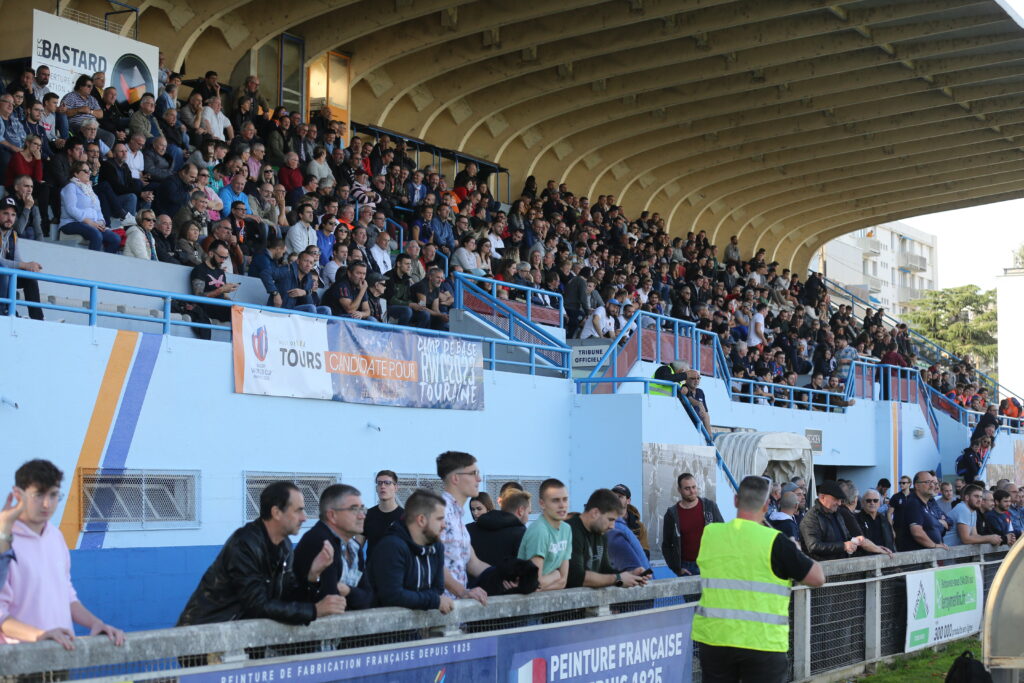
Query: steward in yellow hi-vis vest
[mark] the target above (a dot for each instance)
(668, 372)
(746, 571)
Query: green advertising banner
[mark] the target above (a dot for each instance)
(943, 604)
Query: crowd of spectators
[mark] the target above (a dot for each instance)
(185, 177)
(424, 556)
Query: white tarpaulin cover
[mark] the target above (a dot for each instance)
(780, 455)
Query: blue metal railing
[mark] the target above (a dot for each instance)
(530, 291)
(786, 396)
(552, 356)
(935, 352)
(640, 322)
(519, 327)
(401, 233)
(587, 382)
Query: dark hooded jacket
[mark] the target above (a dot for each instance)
(496, 536)
(406, 574)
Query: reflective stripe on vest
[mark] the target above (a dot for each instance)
(743, 604)
(741, 585)
(743, 615)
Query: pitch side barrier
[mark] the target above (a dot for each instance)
(642, 634)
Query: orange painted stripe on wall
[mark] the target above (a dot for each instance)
(103, 413)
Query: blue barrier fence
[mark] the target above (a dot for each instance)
(786, 396)
(925, 347)
(545, 355)
(528, 292)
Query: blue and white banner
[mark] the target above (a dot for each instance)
(300, 356)
(651, 647)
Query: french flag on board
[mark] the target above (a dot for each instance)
(534, 671)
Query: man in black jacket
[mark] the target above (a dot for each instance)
(496, 534)
(342, 514)
(252, 576)
(823, 531)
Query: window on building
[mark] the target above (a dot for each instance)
(312, 484)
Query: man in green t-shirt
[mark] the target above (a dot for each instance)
(548, 541)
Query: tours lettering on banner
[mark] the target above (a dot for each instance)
(280, 354)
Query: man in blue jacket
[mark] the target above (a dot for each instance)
(407, 567)
(294, 286)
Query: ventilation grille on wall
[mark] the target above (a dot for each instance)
(312, 484)
(140, 499)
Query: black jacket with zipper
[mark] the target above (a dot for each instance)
(251, 579)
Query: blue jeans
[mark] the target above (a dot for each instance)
(404, 315)
(310, 308)
(692, 568)
(104, 240)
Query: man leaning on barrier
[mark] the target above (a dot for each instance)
(747, 571)
(252, 576)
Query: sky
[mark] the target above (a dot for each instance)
(975, 244)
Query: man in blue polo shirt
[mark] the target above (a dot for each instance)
(916, 527)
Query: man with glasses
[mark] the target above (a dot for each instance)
(916, 527)
(12, 131)
(342, 517)
(461, 478)
(386, 512)
(38, 601)
(874, 525)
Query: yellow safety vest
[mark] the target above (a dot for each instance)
(742, 603)
(661, 389)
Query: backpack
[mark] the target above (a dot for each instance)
(967, 669)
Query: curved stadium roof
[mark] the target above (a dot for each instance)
(787, 122)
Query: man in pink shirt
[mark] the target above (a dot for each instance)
(38, 601)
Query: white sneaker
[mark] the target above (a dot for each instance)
(128, 219)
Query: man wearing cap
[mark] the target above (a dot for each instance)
(602, 321)
(632, 517)
(10, 257)
(824, 534)
(747, 570)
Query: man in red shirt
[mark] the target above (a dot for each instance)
(684, 526)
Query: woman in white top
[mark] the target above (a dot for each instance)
(465, 256)
(318, 167)
(81, 214)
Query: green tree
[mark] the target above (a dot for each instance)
(961, 319)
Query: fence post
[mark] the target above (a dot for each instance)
(873, 612)
(801, 634)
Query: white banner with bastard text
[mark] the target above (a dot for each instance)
(71, 49)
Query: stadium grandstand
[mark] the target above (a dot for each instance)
(476, 341)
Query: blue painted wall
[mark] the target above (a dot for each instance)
(190, 419)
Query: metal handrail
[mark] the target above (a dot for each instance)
(994, 386)
(526, 288)
(792, 401)
(401, 232)
(513, 316)
(695, 418)
(647, 382)
(94, 313)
